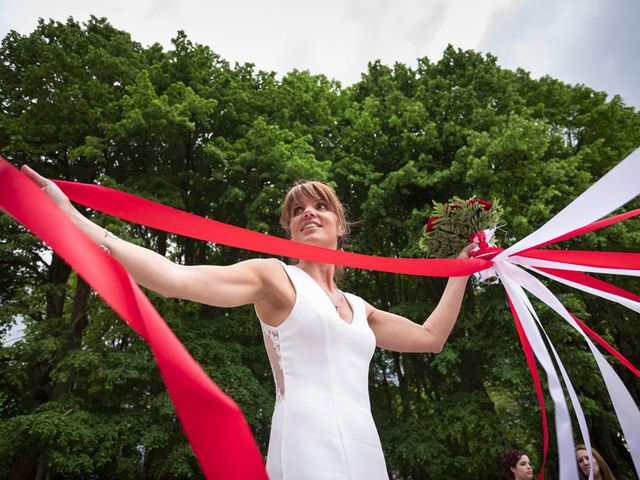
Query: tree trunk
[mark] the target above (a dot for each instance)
(402, 383)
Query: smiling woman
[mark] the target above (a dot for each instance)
(319, 339)
(325, 199)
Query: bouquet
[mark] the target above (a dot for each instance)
(455, 224)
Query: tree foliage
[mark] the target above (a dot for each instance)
(80, 396)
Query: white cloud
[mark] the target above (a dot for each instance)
(579, 41)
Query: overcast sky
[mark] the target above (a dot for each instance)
(593, 42)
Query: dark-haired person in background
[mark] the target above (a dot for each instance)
(516, 465)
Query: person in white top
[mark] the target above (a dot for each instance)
(319, 339)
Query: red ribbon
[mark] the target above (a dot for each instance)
(606, 346)
(618, 260)
(481, 238)
(589, 281)
(214, 425)
(605, 222)
(145, 212)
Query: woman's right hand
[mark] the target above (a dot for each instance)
(50, 189)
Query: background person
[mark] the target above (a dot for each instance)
(516, 465)
(601, 470)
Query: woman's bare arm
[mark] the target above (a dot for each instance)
(395, 332)
(222, 286)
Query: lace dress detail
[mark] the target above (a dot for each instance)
(272, 343)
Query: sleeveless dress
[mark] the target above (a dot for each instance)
(322, 428)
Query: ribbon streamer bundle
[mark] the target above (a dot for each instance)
(215, 426)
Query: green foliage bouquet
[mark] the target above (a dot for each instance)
(454, 224)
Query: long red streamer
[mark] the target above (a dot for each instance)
(155, 215)
(213, 423)
(589, 281)
(606, 346)
(618, 260)
(587, 228)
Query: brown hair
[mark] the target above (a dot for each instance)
(319, 191)
(605, 471)
(510, 459)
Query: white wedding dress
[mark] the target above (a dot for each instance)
(322, 428)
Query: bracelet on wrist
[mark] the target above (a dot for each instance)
(107, 234)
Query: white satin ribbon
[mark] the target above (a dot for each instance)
(534, 262)
(620, 185)
(626, 409)
(613, 190)
(631, 304)
(564, 434)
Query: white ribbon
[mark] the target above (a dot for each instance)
(631, 304)
(534, 262)
(488, 275)
(612, 191)
(568, 466)
(616, 188)
(625, 407)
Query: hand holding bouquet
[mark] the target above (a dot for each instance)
(455, 224)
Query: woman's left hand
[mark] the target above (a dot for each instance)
(466, 251)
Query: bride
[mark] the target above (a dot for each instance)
(319, 339)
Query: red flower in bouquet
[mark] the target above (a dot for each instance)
(431, 224)
(486, 205)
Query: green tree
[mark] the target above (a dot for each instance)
(80, 396)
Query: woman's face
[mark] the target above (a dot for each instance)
(523, 469)
(584, 464)
(314, 223)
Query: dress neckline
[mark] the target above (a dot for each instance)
(326, 295)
